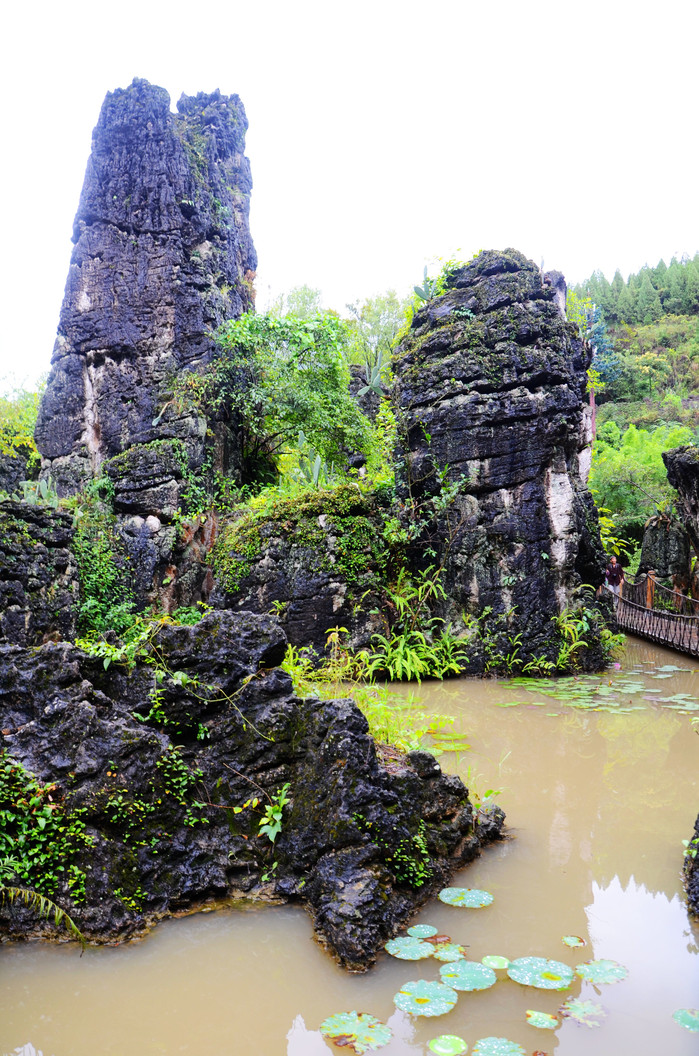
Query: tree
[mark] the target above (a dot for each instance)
(648, 307)
(284, 376)
(375, 324)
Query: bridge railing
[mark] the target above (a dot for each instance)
(651, 610)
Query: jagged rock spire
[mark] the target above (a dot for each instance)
(162, 256)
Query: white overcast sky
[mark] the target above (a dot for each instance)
(384, 134)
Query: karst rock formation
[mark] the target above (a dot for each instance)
(162, 256)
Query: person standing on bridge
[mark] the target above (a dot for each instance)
(614, 576)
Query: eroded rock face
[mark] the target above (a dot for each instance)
(691, 871)
(162, 256)
(319, 562)
(358, 834)
(666, 551)
(38, 575)
(682, 465)
(491, 382)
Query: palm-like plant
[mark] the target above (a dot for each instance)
(44, 907)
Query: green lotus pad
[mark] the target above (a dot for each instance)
(359, 1031)
(468, 975)
(492, 960)
(541, 1019)
(423, 998)
(687, 1017)
(447, 1045)
(409, 948)
(585, 1012)
(601, 971)
(422, 931)
(469, 897)
(448, 951)
(573, 941)
(539, 972)
(497, 1047)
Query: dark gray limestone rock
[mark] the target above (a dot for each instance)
(491, 384)
(162, 256)
(666, 551)
(319, 561)
(365, 839)
(682, 465)
(16, 467)
(691, 871)
(38, 574)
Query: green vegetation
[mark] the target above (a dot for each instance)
(645, 377)
(19, 408)
(44, 907)
(41, 841)
(106, 598)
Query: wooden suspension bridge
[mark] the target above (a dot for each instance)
(650, 610)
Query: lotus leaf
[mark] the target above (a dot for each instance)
(423, 998)
(493, 960)
(601, 971)
(468, 975)
(469, 897)
(687, 1017)
(449, 951)
(541, 1019)
(497, 1047)
(447, 1045)
(422, 931)
(573, 940)
(359, 1031)
(586, 1012)
(538, 971)
(409, 948)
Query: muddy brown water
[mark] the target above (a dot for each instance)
(598, 802)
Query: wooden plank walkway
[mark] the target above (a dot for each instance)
(650, 610)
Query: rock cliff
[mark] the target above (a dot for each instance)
(491, 386)
(493, 453)
(168, 764)
(162, 256)
(682, 465)
(39, 588)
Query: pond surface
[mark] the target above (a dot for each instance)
(598, 802)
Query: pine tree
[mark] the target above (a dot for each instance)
(648, 307)
(626, 306)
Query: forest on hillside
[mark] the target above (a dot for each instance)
(645, 387)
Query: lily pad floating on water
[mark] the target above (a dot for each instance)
(449, 951)
(409, 948)
(447, 1045)
(585, 1012)
(573, 941)
(423, 998)
(494, 961)
(602, 971)
(541, 1019)
(468, 975)
(468, 897)
(540, 972)
(497, 1047)
(422, 931)
(359, 1031)
(687, 1017)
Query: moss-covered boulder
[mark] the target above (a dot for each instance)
(319, 560)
